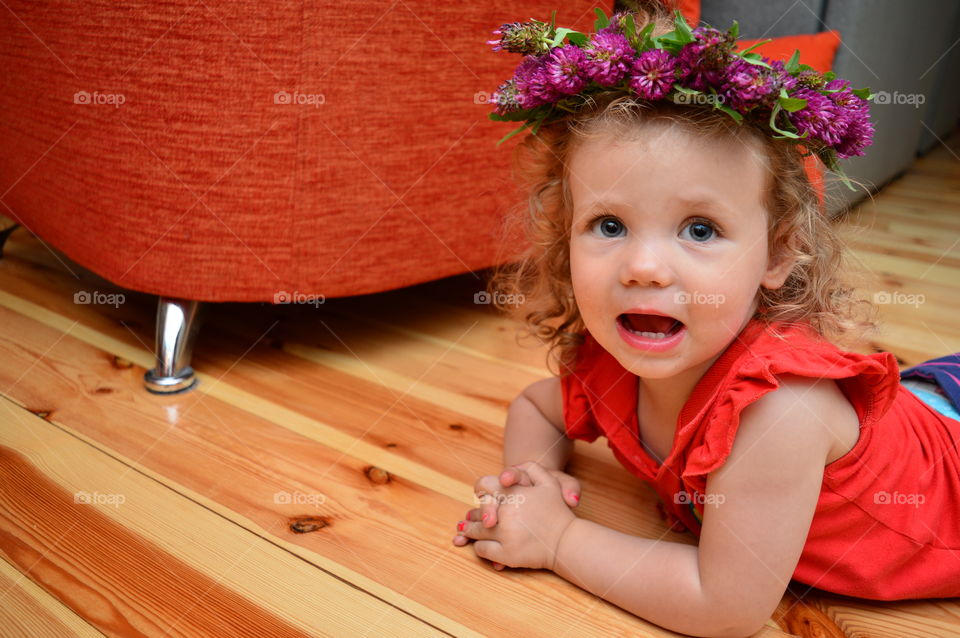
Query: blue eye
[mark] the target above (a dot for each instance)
(607, 224)
(701, 231)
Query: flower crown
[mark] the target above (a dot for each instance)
(698, 66)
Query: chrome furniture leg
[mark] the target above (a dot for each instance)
(4, 234)
(178, 321)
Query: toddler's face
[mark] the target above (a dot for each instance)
(682, 232)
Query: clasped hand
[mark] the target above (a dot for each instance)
(523, 515)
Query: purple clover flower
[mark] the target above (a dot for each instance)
(820, 118)
(748, 86)
(859, 131)
(566, 69)
(533, 85)
(653, 74)
(609, 58)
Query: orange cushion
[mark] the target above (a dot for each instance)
(817, 50)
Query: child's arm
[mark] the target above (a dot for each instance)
(750, 542)
(534, 430)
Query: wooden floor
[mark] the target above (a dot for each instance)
(311, 484)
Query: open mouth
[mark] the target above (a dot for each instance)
(650, 326)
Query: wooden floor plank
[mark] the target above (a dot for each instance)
(381, 527)
(135, 558)
(28, 611)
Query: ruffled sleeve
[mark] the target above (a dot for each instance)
(578, 417)
(870, 383)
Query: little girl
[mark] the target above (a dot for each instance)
(686, 276)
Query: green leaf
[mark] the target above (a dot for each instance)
(630, 26)
(829, 157)
(829, 76)
(539, 121)
(602, 20)
(682, 28)
(577, 38)
(793, 64)
(773, 117)
(791, 103)
(512, 133)
(565, 32)
(755, 58)
(734, 30)
(758, 44)
(646, 42)
(513, 116)
(553, 20)
(863, 93)
(729, 111)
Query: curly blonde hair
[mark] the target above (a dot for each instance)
(816, 292)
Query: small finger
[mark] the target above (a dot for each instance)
(489, 516)
(460, 541)
(498, 567)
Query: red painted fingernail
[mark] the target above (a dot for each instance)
(576, 497)
(460, 526)
(485, 517)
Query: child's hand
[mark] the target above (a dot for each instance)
(532, 520)
(488, 489)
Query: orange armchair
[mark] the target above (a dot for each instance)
(241, 151)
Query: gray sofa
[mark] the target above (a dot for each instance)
(909, 50)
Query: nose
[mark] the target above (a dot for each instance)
(646, 263)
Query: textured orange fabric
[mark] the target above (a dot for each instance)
(870, 536)
(817, 50)
(205, 184)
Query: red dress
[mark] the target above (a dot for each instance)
(887, 524)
